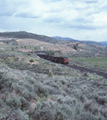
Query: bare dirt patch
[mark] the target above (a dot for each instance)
(24, 50)
(1, 43)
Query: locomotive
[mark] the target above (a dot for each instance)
(62, 60)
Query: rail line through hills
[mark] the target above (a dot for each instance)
(82, 69)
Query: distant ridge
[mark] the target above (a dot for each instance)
(86, 42)
(64, 38)
(23, 35)
(104, 43)
(56, 39)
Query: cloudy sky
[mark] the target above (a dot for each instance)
(78, 19)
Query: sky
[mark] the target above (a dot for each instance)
(77, 19)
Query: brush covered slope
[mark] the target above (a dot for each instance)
(25, 95)
(32, 88)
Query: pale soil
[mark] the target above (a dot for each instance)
(44, 46)
(1, 43)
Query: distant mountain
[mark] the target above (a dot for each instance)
(23, 35)
(92, 43)
(104, 43)
(65, 38)
(70, 39)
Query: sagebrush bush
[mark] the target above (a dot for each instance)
(52, 90)
(14, 102)
(49, 111)
(40, 90)
(54, 98)
(27, 94)
(30, 80)
(102, 100)
(10, 114)
(1, 102)
(16, 87)
(24, 102)
(29, 87)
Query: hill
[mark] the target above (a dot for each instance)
(23, 35)
(65, 38)
(104, 43)
(68, 47)
(86, 42)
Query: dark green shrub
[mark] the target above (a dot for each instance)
(31, 60)
(50, 74)
(28, 54)
(36, 48)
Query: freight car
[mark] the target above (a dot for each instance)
(62, 60)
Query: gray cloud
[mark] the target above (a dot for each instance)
(86, 16)
(83, 26)
(92, 1)
(25, 15)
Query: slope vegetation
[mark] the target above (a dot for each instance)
(32, 88)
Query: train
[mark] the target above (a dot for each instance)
(62, 60)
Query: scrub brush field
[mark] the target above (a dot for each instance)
(32, 88)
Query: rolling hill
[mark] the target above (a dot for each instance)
(86, 42)
(56, 39)
(67, 47)
(104, 43)
(23, 35)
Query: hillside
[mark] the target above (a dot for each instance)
(23, 35)
(32, 88)
(45, 90)
(60, 47)
(104, 43)
(86, 42)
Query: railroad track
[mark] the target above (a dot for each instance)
(82, 69)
